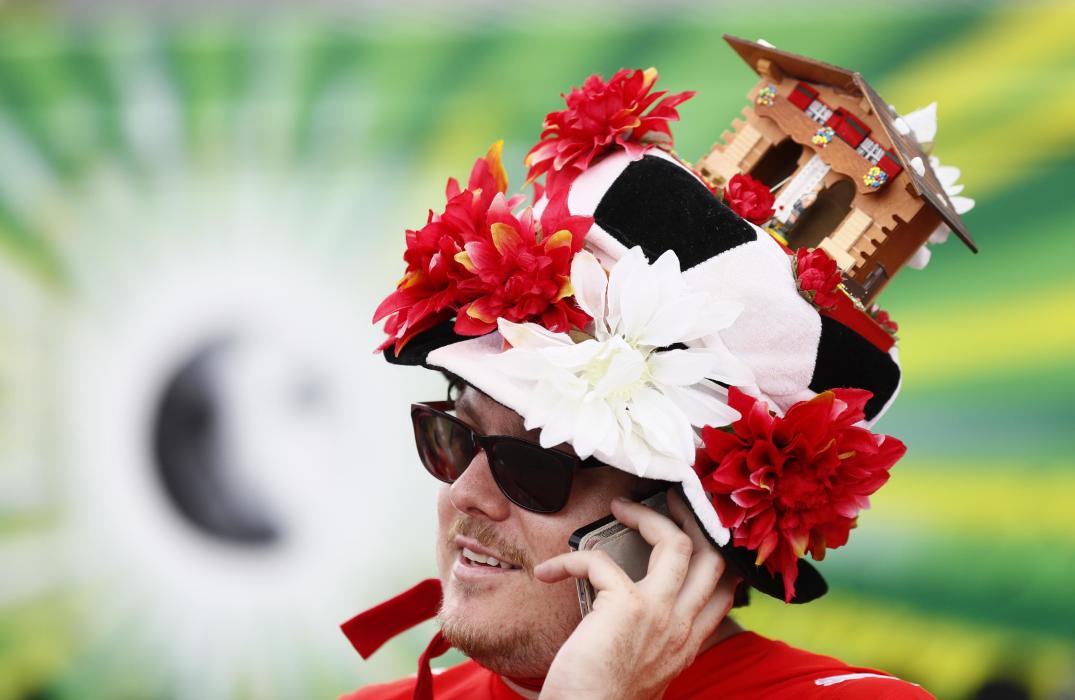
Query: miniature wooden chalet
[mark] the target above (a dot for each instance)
(847, 174)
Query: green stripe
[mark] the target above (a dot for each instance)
(1022, 585)
(334, 58)
(210, 67)
(30, 93)
(88, 63)
(1025, 241)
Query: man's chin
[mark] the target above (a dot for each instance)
(491, 635)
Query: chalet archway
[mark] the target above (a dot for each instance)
(819, 221)
(778, 163)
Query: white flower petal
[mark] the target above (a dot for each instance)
(619, 277)
(940, 235)
(640, 297)
(701, 408)
(590, 282)
(669, 274)
(947, 174)
(560, 427)
(637, 452)
(593, 423)
(540, 404)
(531, 335)
(714, 315)
(920, 258)
(662, 424)
(573, 357)
(567, 385)
(681, 367)
(728, 368)
(624, 369)
(962, 204)
(923, 123)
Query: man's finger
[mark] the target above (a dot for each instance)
(595, 565)
(672, 547)
(706, 565)
(715, 609)
(703, 577)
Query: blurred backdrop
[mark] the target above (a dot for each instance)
(203, 466)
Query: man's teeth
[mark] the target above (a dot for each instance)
(482, 559)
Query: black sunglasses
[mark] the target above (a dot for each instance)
(529, 475)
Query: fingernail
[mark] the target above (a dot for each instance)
(622, 499)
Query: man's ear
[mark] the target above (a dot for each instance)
(456, 384)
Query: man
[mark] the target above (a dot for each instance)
(628, 334)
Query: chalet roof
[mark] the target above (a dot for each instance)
(927, 185)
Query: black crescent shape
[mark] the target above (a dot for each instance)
(189, 458)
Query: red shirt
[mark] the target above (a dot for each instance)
(745, 665)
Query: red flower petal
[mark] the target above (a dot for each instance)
(599, 116)
(482, 261)
(818, 277)
(790, 486)
(749, 198)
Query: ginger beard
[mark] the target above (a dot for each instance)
(512, 623)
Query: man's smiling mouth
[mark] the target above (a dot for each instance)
(473, 558)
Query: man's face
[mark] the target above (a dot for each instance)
(504, 618)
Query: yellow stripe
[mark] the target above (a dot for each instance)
(1006, 151)
(980, 500)
(1018, 44)
(1019, 55)
(950, 658)
(1034, 328)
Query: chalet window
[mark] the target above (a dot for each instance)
(871, 150)
(890, 164)
(802, 95)
(818, 111)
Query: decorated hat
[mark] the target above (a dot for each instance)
(644, 317)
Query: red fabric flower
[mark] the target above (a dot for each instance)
(520, 272)
(792, 485)
(882, 317)
(749, 198)
(477, 261)
(599, 117)
(818, 277)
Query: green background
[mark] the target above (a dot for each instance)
(961, 572)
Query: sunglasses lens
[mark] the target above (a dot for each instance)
(444, 446)
(532, 477)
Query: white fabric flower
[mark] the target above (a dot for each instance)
(624, 395)
(922, 123)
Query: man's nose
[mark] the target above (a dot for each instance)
(476, 493)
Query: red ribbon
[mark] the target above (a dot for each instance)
(859, 321)
(367, 631)
(423, 688)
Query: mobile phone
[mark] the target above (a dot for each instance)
(626, 547)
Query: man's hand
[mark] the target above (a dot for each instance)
(640, 636)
